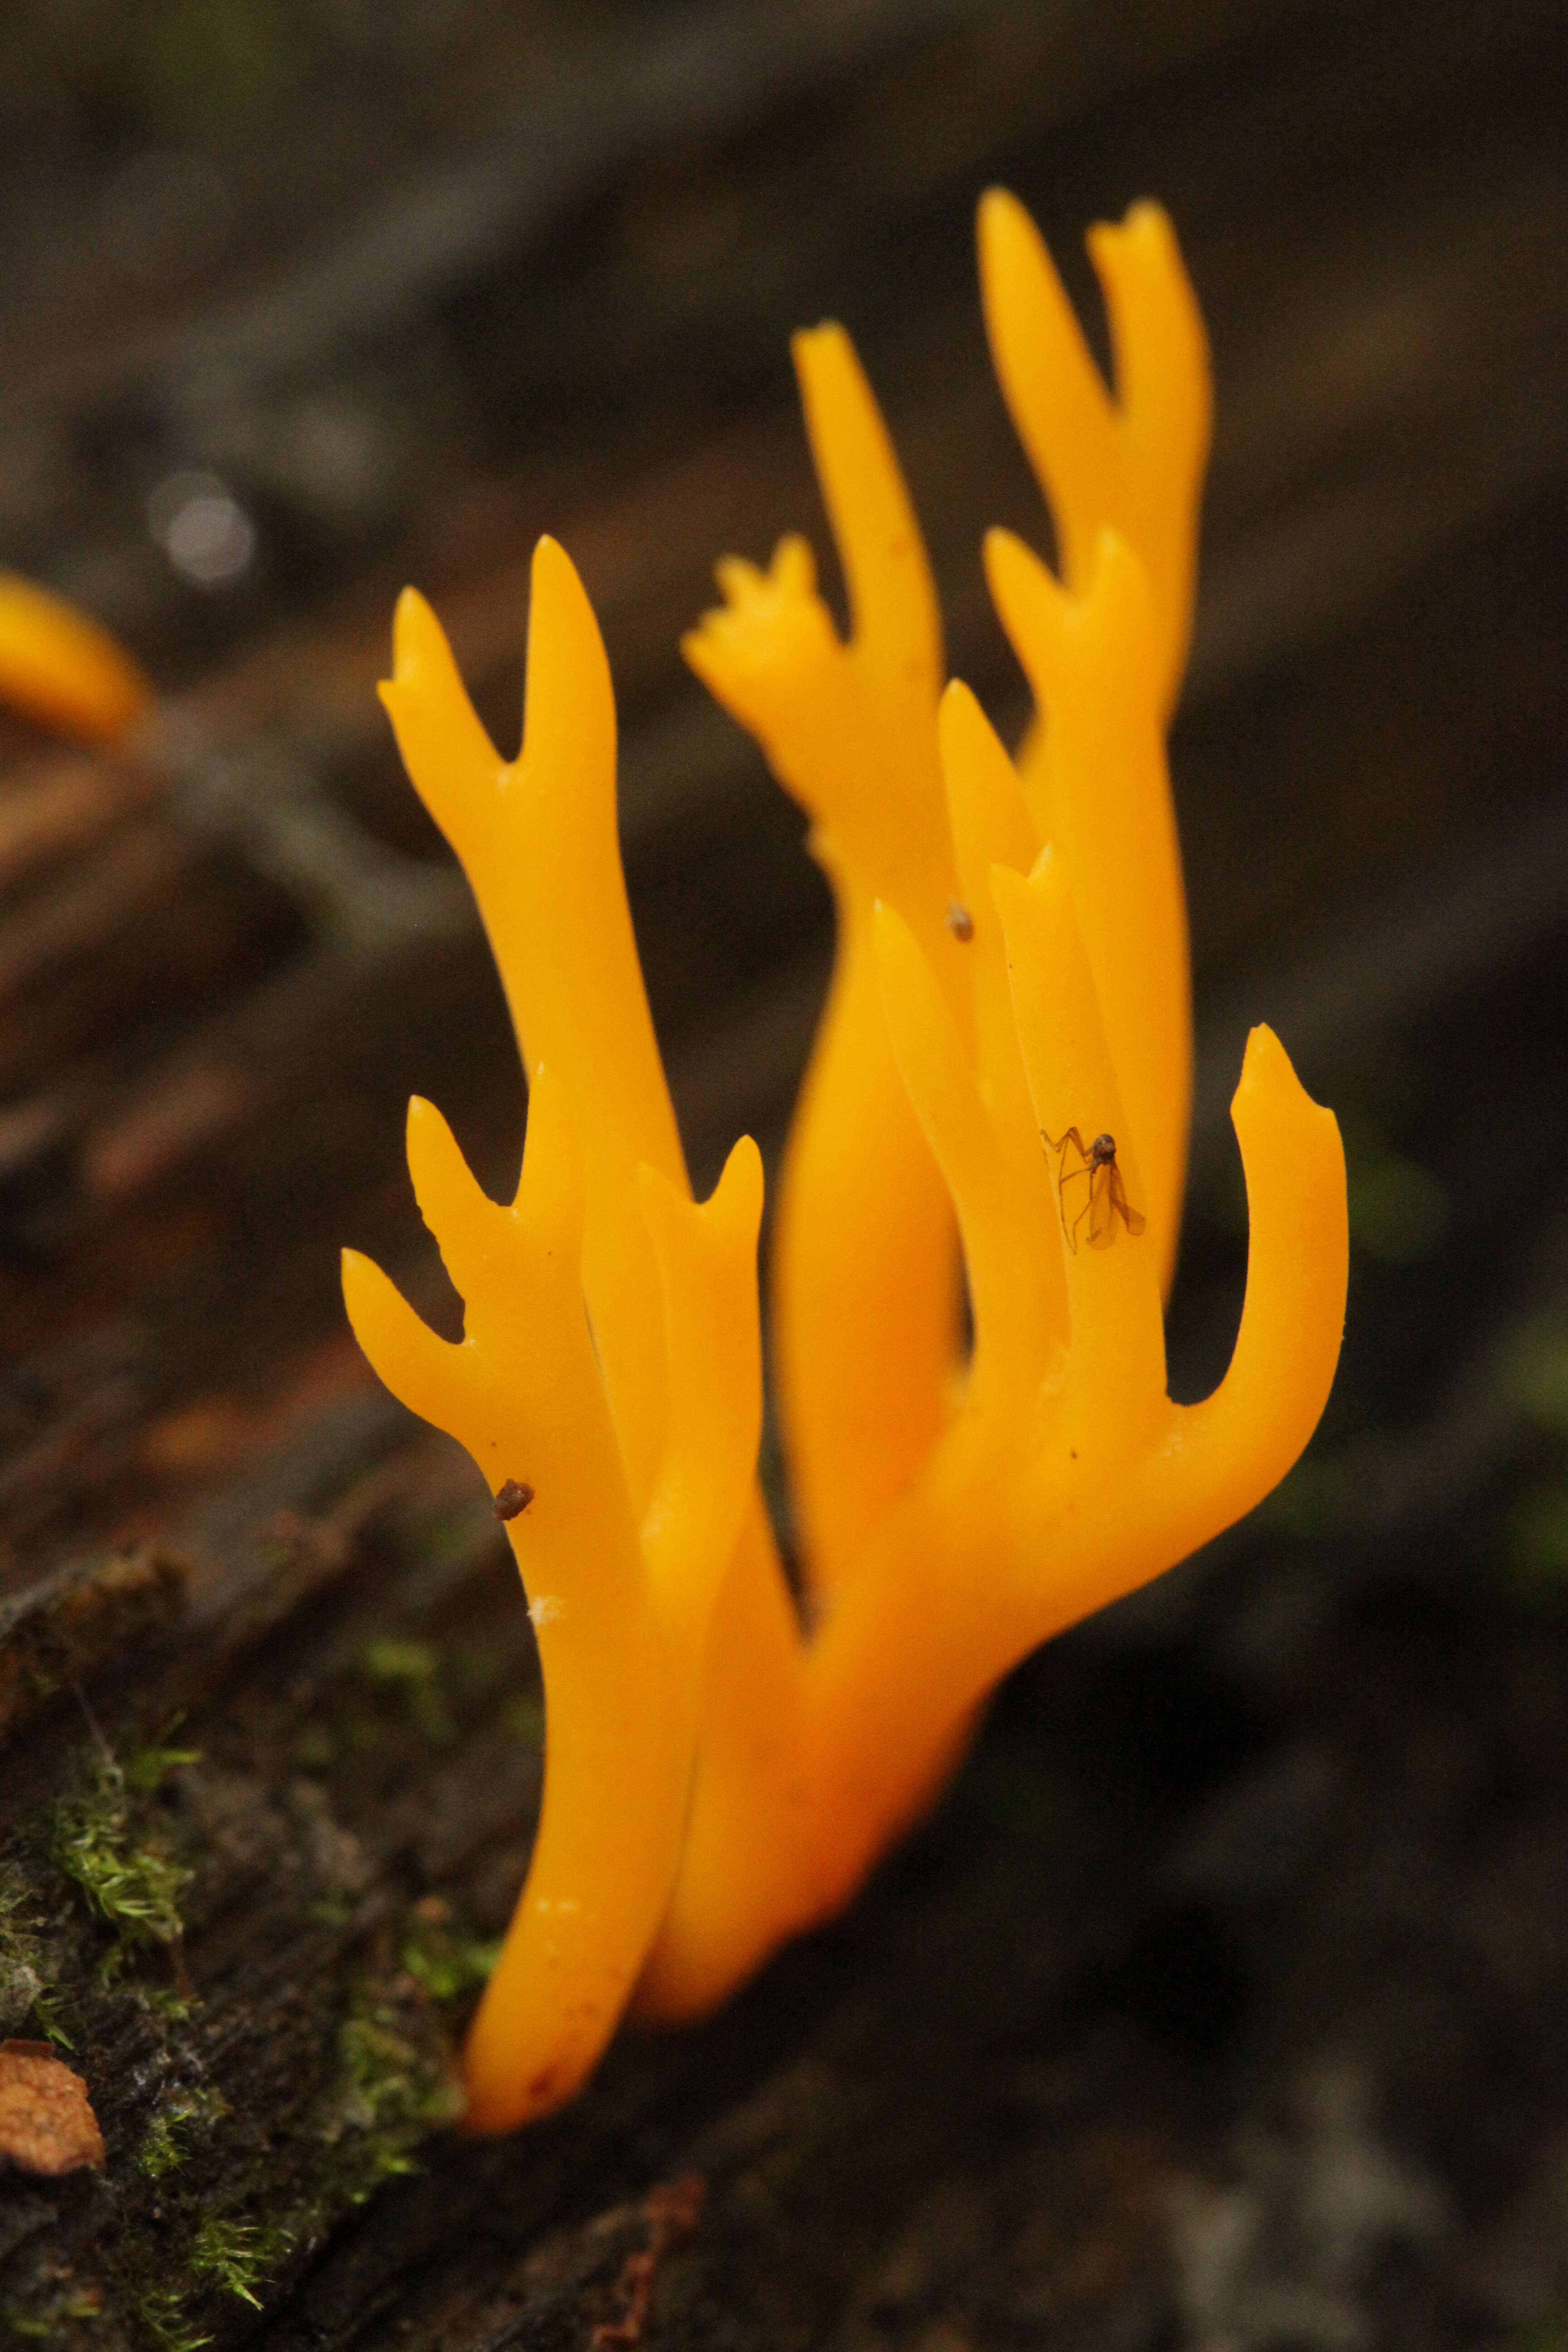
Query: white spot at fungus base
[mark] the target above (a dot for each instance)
(546, 1611)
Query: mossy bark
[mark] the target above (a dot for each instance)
(1253, 1891)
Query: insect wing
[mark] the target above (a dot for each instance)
(1134, 1219)
(1109, 1201)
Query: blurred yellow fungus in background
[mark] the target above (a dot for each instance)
(1012, 963)
(61, 669)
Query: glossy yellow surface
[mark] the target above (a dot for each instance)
(61, 669)
(1012, 963)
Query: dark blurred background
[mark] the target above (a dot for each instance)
(1224, 2004)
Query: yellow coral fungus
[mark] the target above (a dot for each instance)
(1012, 966)
(62, 670)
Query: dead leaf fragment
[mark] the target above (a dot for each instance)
(47, 2123)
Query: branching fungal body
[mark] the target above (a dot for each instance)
(718, 1777)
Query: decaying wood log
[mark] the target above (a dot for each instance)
(1253, 1888)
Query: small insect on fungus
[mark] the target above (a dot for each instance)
(960, 922)
(514, 1494)
(1106, 1199)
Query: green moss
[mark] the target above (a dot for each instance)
(178, 2117)
(163, 2314)
(162, 2001)
(77, 2308)
(98, 1876)
(121, 1864)
(394, 2093)
(238, 2256)
(411, 1670)
(146, 1769)
(26, 1994)
(21, 1982)
(443, 1961)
